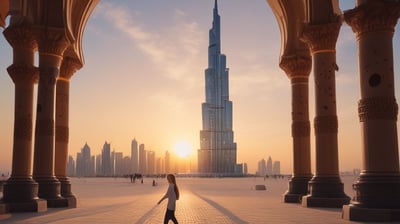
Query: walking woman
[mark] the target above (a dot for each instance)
(172, 195)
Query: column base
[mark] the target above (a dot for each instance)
(66, 192)
(20, 190)
(298, 187)
(354, 213)
(377, 191)
(50, 189)
(38, 205)
(327, 192)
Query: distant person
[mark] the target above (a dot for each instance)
(154, 183)
(172, 195)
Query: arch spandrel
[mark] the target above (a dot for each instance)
(4, 8)
(291, 17)
(78, 14)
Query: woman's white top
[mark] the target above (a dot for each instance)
(171, 197)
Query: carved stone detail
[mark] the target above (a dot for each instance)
(301, 129)
(296, 66)
(62, 134)
(326, 124)
(20, 37)
(377, 108)
(52, 41)
(23, 73)
(321, 37)
(373, 16)
(68, 67)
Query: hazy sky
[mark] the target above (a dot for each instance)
(144, 78)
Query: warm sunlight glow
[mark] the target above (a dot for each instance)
(182, 149)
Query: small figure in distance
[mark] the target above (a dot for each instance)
(172, 195)
(154, 183)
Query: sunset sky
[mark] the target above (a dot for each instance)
(144, 78)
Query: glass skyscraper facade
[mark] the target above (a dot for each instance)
(217, 153)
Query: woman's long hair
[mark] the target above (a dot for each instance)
(171, 178)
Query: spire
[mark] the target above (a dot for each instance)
(216, 8)
(215, 38)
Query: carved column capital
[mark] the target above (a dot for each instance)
(68, 68)
(52, 41)
(374, 16)
(321, 38)
(20, 37)
(295, 66)
(23, 73)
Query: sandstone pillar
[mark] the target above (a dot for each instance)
(20, 190)
(298, 71)
(377, 190)
(52, 44)
(325, 188)
(68, 68)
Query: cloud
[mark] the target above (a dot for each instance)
(174, 49)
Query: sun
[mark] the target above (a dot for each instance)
(182, 149)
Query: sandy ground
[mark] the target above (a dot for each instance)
(203, 200)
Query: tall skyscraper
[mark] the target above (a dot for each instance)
(134, 156)
(71, 166)
(217, 153)
(276, 170)
(142, 159)
(269, 166)
(167, 162)
(106, 160)
(84, 164)
(151, 162)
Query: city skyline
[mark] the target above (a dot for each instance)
(115, 163)
(144, 72)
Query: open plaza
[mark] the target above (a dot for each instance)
(203, 200)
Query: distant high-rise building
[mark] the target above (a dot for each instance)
(99, 169)
(84, 163)
(245, 170)
(269, 166)
(126, 165)
(160, 165)
(276, 169)
(119, 166)
(71, 166)
(142, 159)
(112, 160)
(217, 153)
(167, 162)
(106, 160)
(262, 168)
(151, 162)
(135, 156)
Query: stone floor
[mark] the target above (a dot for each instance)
(203, 200)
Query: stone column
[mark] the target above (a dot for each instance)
(377, 190)
(325, 188)
(68, 67)
(298, 70)
(20, 190)
(52, 44)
